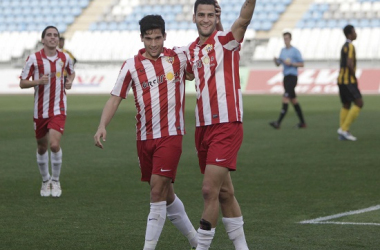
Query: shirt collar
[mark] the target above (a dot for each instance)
(165, 52)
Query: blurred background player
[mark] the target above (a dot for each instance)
(61, 46)
(157, 77)
(291, 59)
(348, 86)
(46, 67)
(214, 60)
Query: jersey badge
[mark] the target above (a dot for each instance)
(170, 59)
(208, 47)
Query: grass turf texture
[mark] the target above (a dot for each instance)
(284, 176)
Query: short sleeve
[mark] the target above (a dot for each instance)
(123, 82)
(70, 64)
(298, 56)
(28, 69)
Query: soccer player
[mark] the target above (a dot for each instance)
(157, 77)
(61, 46)
(291, 59)
(348, 86)
(46, 68)
(214, 61)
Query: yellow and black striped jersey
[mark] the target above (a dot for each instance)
(347, 52)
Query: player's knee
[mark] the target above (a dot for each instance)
(226, 195)
(41, 149)
(54, 147)
(209, 192)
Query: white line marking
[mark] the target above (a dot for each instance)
(320, 219)
(346, 223)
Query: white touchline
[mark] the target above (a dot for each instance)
(347, 223)
(324, 219)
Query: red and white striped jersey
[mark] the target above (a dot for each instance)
(215, 65)
(159, 88)
(49, 99)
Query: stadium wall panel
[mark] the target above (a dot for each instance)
(253, 81)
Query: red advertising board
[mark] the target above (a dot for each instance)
(310, 81)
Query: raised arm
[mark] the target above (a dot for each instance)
(240, 25)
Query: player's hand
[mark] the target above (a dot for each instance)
(288, 63)
(43, 80)
(218, 10)
(100, 134)
(189, 76)
(68, 84)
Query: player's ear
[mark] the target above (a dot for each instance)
(165, 36)
(142, 37)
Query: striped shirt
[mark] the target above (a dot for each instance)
(347, 52)
(215, 65)
(158, 88)
(49, 99)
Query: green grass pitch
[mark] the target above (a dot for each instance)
(284, 176)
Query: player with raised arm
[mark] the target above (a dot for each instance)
(157, 77)
(214, 60)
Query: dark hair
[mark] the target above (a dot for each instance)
(198, 2)
(61, 38)
(48, 27)
(151, 22)
(287, 33)
(348, 30)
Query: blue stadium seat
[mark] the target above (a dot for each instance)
(375, 23)
(321, 23)
(266, 25)
(280, 8)
(93, 27)
(76, 11)
(342, 23)
(122, 26)
(273, 16)
(364, 23)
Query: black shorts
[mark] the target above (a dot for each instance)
(349, 92)
(290, 83)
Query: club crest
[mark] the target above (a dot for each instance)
(208, 47)
(170, 60)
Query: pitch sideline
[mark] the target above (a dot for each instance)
(324, 220)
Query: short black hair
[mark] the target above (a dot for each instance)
(151, 22)
(287, 33)
(348, 29)
(48, 27)
(61, 38)
(198, 2)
